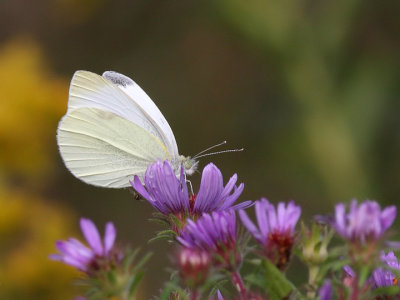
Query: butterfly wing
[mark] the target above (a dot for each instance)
(120, 95)
(103, 149)
(134, 91)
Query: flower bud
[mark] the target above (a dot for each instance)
(193, 266)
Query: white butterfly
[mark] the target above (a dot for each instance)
(112, 131)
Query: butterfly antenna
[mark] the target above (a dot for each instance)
(219, 152)
(209, 148)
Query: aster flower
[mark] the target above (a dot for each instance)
(383, 277)
(275, 231)
(364, 222)
(214, 233)
(87, 259)
(170, 195)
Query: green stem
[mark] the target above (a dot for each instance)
(312, 277)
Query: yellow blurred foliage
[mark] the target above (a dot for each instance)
(28, 230)
(31, 102)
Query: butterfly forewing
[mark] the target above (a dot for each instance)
(141, 99)
(91, 90)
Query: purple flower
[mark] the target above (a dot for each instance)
(275, 231)
(170, 195)
(76, 254)
(215, 233)
(271, 221)
(384, 277)
(364, 222)
(325, 292)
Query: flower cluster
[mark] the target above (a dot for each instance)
(384, 276)
(213, 245)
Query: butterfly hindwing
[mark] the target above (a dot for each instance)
(102, 148)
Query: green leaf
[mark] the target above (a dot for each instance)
(129, 259)
(256, 279)
(386, 291)
(364, 274)
(170, 287)
(276, 284)
(175, 220)
(134, 283)
(142, 262)
(160, 221)
(164, 235)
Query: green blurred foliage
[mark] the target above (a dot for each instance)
(308, 88)
(341, 95)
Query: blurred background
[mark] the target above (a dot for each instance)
(309, 88)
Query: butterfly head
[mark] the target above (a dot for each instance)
(189, 164)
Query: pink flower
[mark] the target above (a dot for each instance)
(76, 254)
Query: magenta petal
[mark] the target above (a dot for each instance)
(138, 186)
(109, 237)
(232, 198)
(363, 222)
(92, 235)
(340, 219)
(219, 295)
(243, 205)
(73, 247)
(56, 257)
(388, 215)
(75, 263)
(211, 186)
(251, 227)
(229, 186)
(393, 244)
(209, 231)
(263, 218)
(325, 292)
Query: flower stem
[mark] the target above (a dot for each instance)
(238, 283)
(354, 291)
(193, 295)
(312, 277)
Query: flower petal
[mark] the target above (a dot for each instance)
(139, 188)
(92, 235)
(387, 216)
(109, 237)
(251, 227)
(211, 186)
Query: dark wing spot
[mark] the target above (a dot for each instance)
(118, 78)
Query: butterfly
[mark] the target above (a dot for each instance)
(112, 131)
